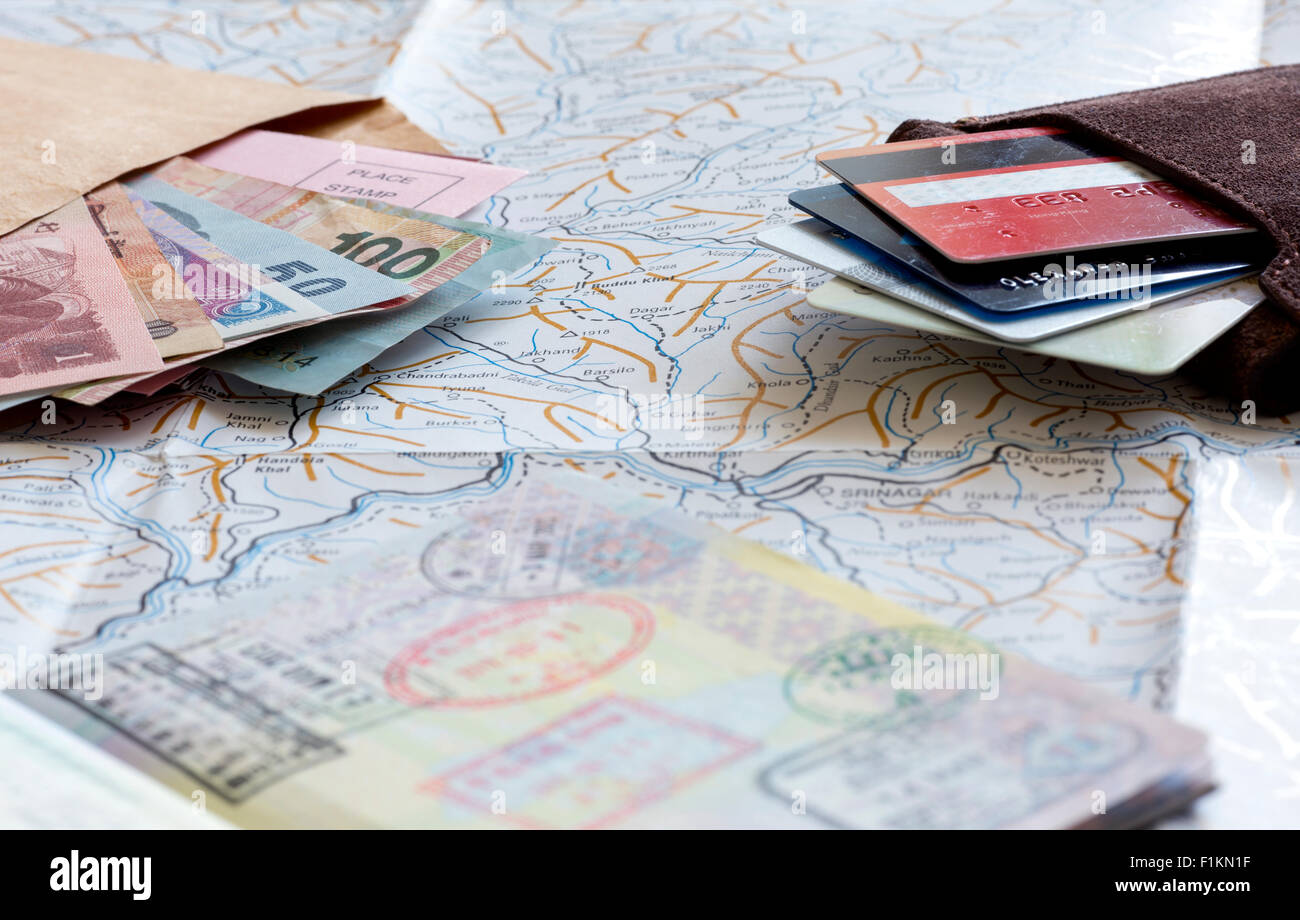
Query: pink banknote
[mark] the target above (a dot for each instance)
(66, 313)
(437, 185)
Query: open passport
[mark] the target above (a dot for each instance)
(559, 656)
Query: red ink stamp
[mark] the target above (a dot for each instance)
(520, 651)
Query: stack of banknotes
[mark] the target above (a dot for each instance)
(140, 282)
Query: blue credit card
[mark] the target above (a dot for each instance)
(1044, 283)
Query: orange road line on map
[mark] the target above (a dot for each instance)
(61, 457)
(854, 342)
(651, 373)
(720, 28)
(718, 287)
(386, 50)
(28, 616)
(570, 462)
(194, 416)
(610, 475)
(682, 284)
(636, 260)
(647, 31)
(519, 43)
(965, 19)
(1034, 423)
(135, 40)
(19, 549)
(763, 519)
(65, 589)
(1167, 477)
(217, 466)
(693, 211)
(919, 405)
(532, 281)
(308, 467)
(80, 584)
(932, 600)
(639, 44)
(608, 174)
(936, 346)
(874, 130)
(315, 428)
(765, 402)
(34, 476)
(314, 558)
(65, 21)
(766, 294)
(535, 312)
(496, 117)
(1144, 621)
(403, 406)
(1053, 606)
(151, 482)
(549, 414)
(1128, 536)
(1159, 517)
(528, 51)
(58, 567)
(948, 487)
(212, 537)
(65, 517)
(404, 523)
(760, 385)
(550, 404)
(373, 469)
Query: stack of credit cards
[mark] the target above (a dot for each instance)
(1023, 236)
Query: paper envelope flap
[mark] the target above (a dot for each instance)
(76, 119)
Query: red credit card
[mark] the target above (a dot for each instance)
(1022, 192)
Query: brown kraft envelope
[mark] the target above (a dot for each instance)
(1233, 140)
(75, 119)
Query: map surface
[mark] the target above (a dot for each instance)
(1043, 506)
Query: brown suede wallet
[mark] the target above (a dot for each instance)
(1233, 140)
